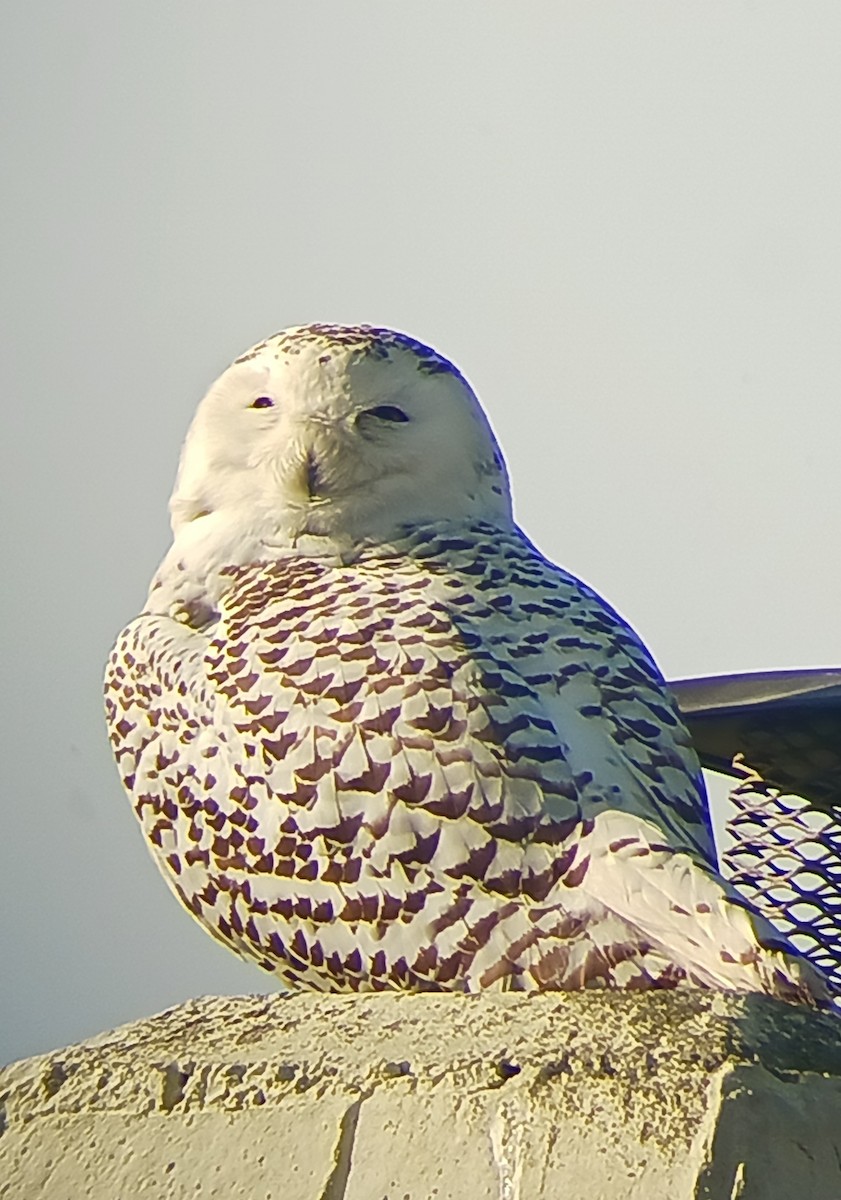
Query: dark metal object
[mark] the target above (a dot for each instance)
(787, 724)
(779, 734)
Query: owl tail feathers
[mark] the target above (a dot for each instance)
(788, 975)
(690, 924)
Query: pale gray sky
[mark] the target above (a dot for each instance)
(622, 221)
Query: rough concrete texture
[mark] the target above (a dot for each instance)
(384, 1097)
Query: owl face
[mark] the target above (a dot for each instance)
(331, 435)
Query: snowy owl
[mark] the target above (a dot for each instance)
(376, 740)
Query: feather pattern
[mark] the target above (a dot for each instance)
(423, 757)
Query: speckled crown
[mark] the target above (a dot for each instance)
(369, 340)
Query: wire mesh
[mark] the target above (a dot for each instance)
(785, 859)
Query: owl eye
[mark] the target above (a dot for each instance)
(262, 402)
(387, 412)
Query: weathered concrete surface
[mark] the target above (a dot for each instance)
(310, 1097)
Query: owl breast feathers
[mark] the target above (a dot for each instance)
(375, 740)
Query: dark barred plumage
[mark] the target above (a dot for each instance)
(419, 756)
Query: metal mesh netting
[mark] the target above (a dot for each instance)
(785, 858)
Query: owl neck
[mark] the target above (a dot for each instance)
(198, 567)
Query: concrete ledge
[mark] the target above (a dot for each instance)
(585, 1096)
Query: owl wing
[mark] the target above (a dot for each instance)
(376, 772)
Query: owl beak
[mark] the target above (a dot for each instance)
(312, 477)
(304, 481)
